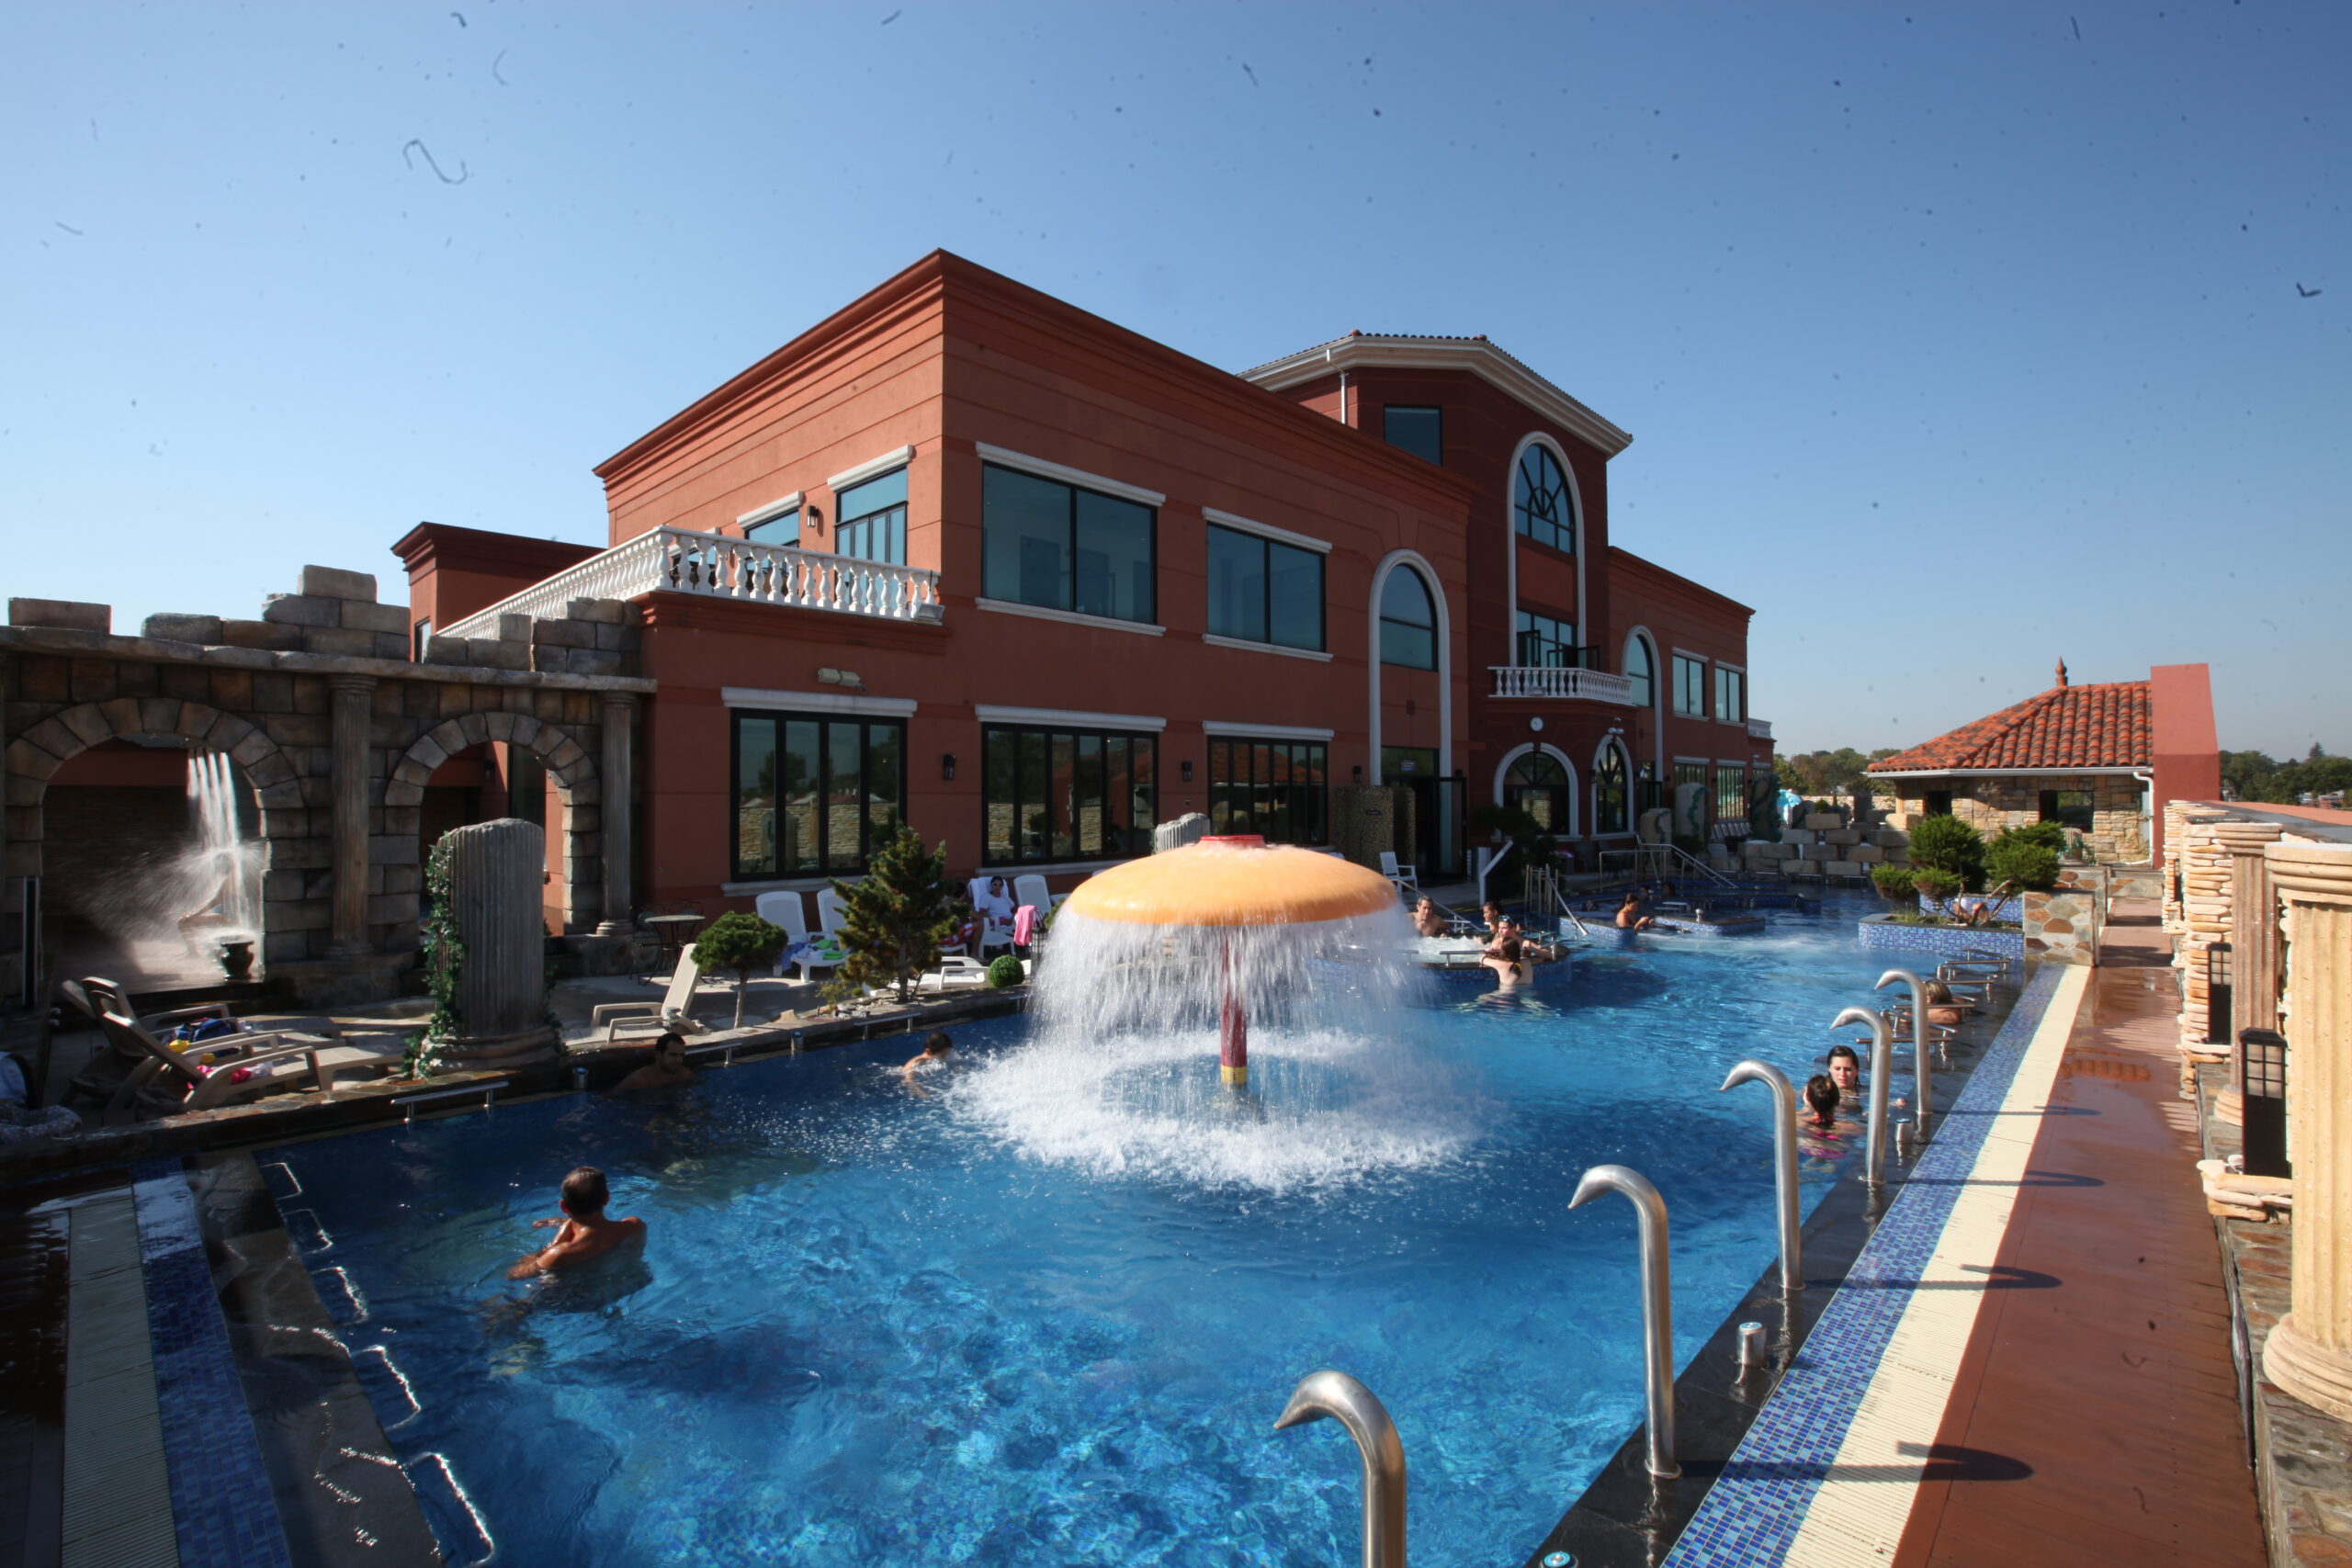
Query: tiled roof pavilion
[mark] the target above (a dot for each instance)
(2103, 726)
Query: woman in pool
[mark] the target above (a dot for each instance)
(1503, 957)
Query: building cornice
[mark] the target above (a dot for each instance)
(1476, 355)
(1998, 772)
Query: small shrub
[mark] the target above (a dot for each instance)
(742, 944)
(1949, 844)
(894, 919)
(1936, 885)
(1896, 883)
(2020, 862)
(2050, 835)
(1004, 970)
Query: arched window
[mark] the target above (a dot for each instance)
(1541, 500)
(1641, 669)
(1610, 792)
(1408, 621)
(1537, 785)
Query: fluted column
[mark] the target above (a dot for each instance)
(2309, 1352)
(2254, 933)
(620, 717)
(495, 871)
(352, 698)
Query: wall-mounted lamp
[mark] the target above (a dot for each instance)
(947, 766)
(816, 520)
(1359, 773)
(844, 678)
(1184, 769)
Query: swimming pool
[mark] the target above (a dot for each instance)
(870, 1325)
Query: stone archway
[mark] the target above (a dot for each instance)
(35, 756)
(567, 763)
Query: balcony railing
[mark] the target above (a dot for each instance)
(677, 560)
(1759, 729)
(1593, 685)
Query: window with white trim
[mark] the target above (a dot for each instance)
(1408, 621)
(1641, 670)
(1062, 547)
(871, 520)
(1273, 788)
(1261, 590)
(815, 794)
(1537, 785)
(1055, 795)
(1544, 509)
(1731, 695)
(1690, 686)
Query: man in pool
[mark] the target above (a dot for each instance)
(936, 1046)
(666, 1069)
(1427, 921)
(585, 1233)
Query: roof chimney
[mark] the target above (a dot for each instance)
(2062, 673)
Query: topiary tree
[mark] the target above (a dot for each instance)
(1896, 883)
(894, 919)
(1936, 885)
(1946, 843)
(1003, 970)
(742, 944)
(2016, 860)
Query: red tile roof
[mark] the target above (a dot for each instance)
(2067, 727)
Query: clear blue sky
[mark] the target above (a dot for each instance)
(1953, 338)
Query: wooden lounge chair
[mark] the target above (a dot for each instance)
(233, 1067)
(646, 1019)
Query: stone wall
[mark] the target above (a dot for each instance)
(2064, 924)
(1826, 846)
(2119, 830)
(335, 732)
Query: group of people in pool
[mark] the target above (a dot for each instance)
(585, 1232)
(1508, 950)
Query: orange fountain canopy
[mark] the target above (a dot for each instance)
(1232, 882)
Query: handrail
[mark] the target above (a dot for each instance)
(1674, 855)
(719, 566)
(1784, 1163)
(409, 1102)
(1881, 1068)
(1658, 1304)
(1355, 1407)
(1919, 1005)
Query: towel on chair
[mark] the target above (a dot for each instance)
(1024, 924)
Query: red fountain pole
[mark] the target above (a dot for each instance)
(1232, 1028)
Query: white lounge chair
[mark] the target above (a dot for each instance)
(1406, 879)
(1030, 888)
(784, 910)
(829, 912)
(954, 974)
(986, 932)
(674, 1011)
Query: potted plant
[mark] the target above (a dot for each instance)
(895, 919)
(740, 942)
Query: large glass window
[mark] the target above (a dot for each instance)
(872, 520)
(1731, 694)
(1420, 430)
(1641, 670)
(815, 795)
(1541, 501)
(1057, 795)
(1731, 794)
(1537, 785)
(1273, 789)
(1408, 621)
(1546, 643)
(1610, 796)
(1061, 547)
(1690, 686)
(1263, 591)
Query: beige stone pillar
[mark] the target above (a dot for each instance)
(2310, 1352)
(354, 696)
(2254, 933)
(620, 717)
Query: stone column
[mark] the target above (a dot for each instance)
(620, 715)
(494, 877)
(2309, 1352)
(2253, 932)
(352, 698)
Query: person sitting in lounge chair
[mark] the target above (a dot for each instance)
(665, 1069)
(585, 1232)
(1427, 921)
(995, 902)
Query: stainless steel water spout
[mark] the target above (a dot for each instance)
(1784, 1163)
(1340, 1397)
(1920, 1069)
(1881, 1058)
(1658, 1304)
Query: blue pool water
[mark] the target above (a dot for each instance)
(871, 1326)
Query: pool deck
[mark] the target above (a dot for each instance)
(2109, 1396)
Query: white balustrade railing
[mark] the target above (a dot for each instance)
(1593, 685)
(678, 560)
(1759, 729)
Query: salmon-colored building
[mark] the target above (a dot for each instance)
(965, 555)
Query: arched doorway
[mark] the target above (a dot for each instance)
(1412, 631)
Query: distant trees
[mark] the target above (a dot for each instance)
(1830, 772)
(2253, 775)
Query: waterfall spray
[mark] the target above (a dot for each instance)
(221, 865)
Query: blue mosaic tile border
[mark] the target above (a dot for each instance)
(1750, 1517)
(1944, 942)
(222, 1506)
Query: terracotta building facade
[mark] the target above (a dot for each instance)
(965, 556)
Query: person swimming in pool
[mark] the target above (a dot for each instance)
(1427, 921)
(586, 1233)
(936, 1057)
(1632, 915)
(665, 1069)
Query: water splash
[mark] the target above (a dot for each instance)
(222, 872)
(1120, 1078)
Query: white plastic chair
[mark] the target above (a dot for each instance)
(785, 910)
(953, 973)
(1030, 888)
(675, 1010)
(1407, 879)
(829, 912)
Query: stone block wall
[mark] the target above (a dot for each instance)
(2063, 925)
(2119, 830)
(1830, 848)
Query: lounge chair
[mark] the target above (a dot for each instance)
(674, 1011)
(213, 1072)
(954, 974)
(1406, 879)
(815, 953)
(1030, 888)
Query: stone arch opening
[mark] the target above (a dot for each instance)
(162, 917)
(575, 873)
